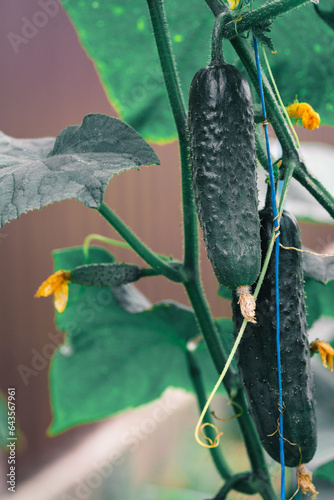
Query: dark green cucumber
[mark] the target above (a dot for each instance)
(223, 164)
(106, 274)
(257, 355)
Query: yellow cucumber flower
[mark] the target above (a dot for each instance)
(310, 118)
(326, 352)
(233, 3)
(57, 284)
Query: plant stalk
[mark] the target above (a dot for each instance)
(313, 186)
(268, 11)
(140, 248)
(168, 65)
(231, 484)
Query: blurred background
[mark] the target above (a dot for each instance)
(48, 84)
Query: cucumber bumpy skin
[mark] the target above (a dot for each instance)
(115, 274)
(257, 356)
(223, 163)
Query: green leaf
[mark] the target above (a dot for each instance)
(133, 80)
(104, 134)
(83, 160)
(114, 359)
(110, 33)
(303, 64)
(319, 300)
(326, 471)
(318, 268)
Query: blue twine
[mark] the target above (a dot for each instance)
(276, 226)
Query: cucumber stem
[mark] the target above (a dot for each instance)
(142, 250)
(315, 188)
(216, 39)
(278, 95)
(268, 11)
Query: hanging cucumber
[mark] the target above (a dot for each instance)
(257, 356)
(223, 165)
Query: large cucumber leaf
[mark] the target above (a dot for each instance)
(82, 160)
(119, 38)
(326, 471)
(114, 359)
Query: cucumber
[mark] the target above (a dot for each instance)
(257, 356)
(223, 166)
(106, 274)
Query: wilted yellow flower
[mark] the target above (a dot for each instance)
(304, 481)
(233, 3)
(57, 284)
(309, 117)
(326, 352)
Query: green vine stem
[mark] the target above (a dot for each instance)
(268, 11)
(148, 272)
(231, 484)
(168, 65)
(216, 39)
(142, 250)
(278, 95)
(216, 454)
(313, 186)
